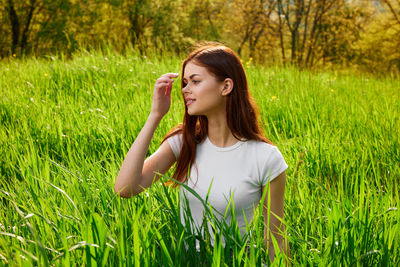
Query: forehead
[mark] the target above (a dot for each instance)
(192, 68)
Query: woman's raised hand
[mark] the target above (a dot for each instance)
(162, 94)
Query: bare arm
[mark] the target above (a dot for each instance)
(136, 173)
(276, 227)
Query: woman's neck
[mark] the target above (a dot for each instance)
(219, 133)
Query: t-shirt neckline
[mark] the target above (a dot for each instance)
(228, 148)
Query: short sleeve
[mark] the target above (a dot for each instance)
(271, 163)
(175, 142)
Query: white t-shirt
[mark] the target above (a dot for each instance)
(242, 169)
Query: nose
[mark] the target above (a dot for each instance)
(185, 89)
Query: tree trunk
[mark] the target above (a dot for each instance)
(280, 13)
(24, 37)
(305, 31)
(14, 26)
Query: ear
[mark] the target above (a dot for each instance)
(227, 87)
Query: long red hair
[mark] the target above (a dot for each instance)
(242, 113)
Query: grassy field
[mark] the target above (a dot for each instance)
(66, 127)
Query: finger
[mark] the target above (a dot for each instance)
(170, 75)
(164, 79)
(163, 85)
(168, 90)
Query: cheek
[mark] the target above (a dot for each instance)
(210, 100)
(209, 91)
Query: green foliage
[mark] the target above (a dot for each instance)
(67, 125)
(379, 43)
(311, 34)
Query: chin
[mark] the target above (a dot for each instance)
(191, 113)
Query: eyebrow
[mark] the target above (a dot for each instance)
(191, 76)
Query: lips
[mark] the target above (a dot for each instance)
(189, 101)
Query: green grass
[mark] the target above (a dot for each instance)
(66, 127)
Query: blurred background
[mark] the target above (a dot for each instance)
(362, 35)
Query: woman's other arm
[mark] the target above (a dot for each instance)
(276, 227)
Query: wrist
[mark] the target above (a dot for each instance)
(155, 117)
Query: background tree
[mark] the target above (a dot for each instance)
(205, 20)
(36, 22)
(305, 33)
(20, 23)
(379, 41)
(305, 22)
(4, 32)
(394, 7)
(393, 25)
(252, 20)
(339, 31)
(140, 14)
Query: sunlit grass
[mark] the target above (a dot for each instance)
(66, 127)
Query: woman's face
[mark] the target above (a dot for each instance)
(202, 91)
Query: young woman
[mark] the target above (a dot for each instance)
(219, 141)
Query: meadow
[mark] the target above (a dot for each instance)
(66, 126)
